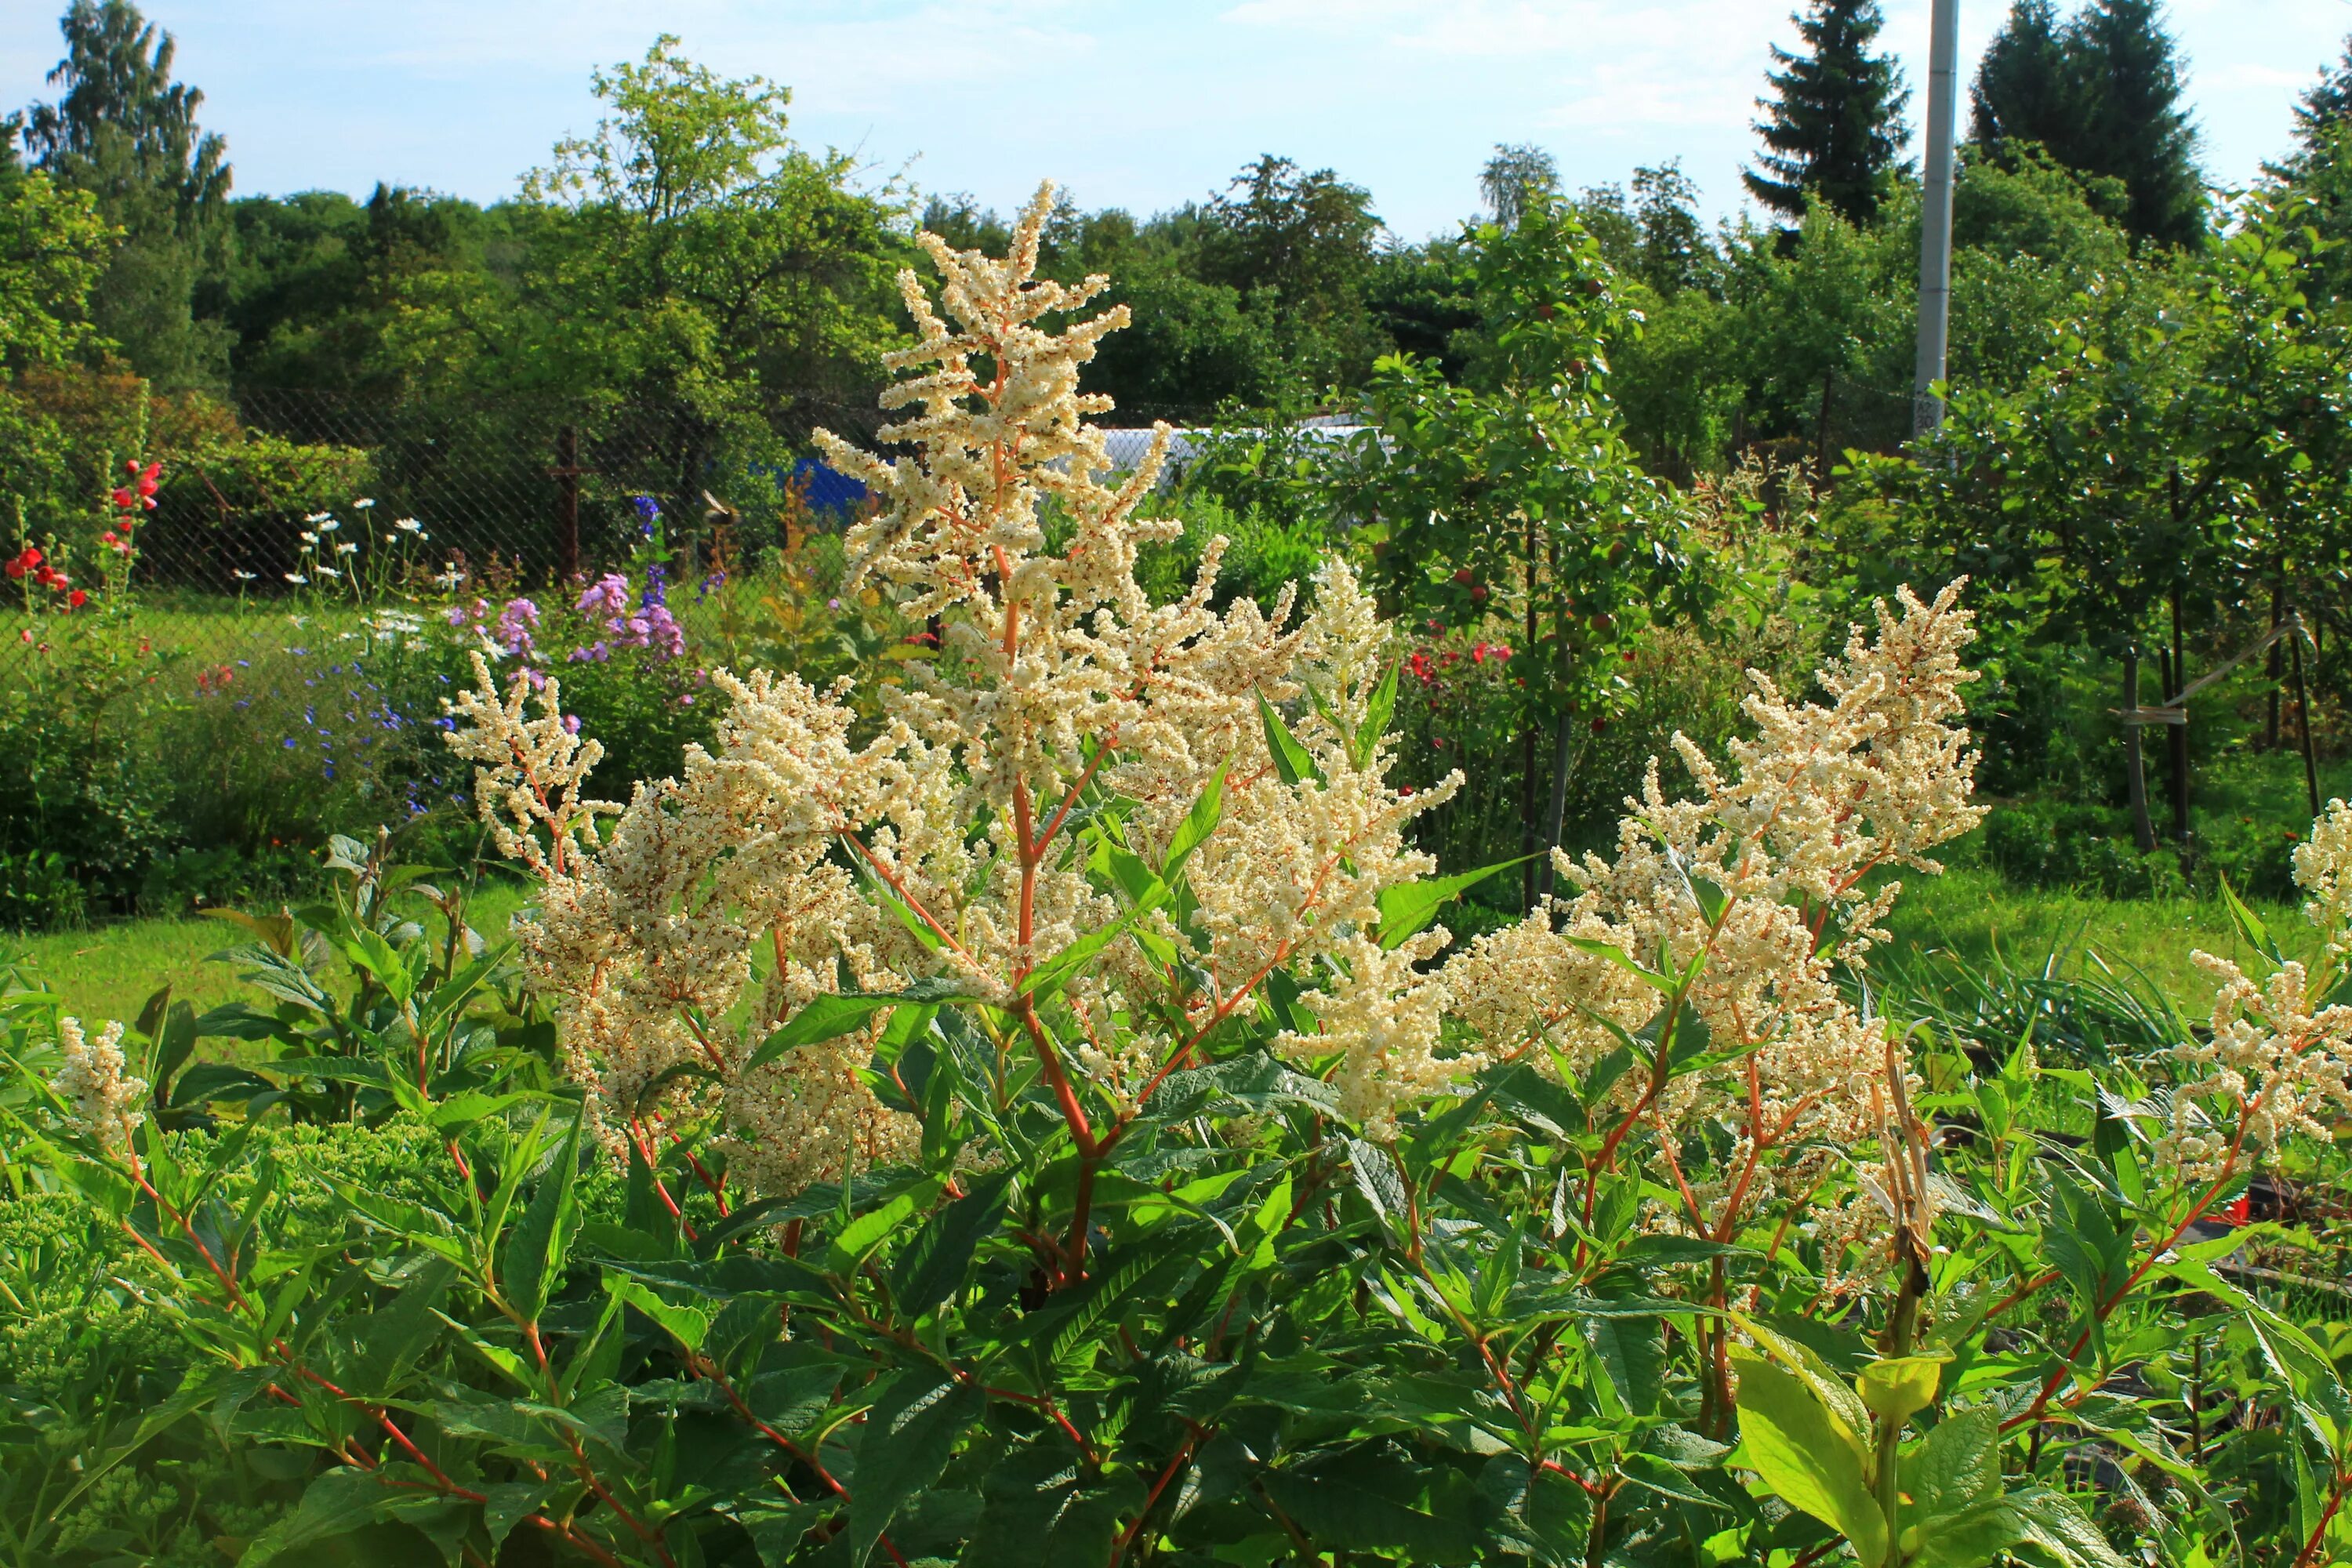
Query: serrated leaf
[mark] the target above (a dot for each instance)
(1952, 1469)
(934, 1263)
(908, 1438)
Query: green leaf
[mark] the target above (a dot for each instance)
(1358, 1504)
(505, 1504)
(908, 1436)
(933, 1265)
(825, 1018)
(1809, 1457)
(1898, 1387)
(1292, 761)
(1655, 1473)
(339, 1501)
(1631, 1351)
(390, 1338)
(1981, 1533)
(2249, 925)
(862, 1235)
(1408, 906)
(1952, 1469)
(1041, 1510)
(2057, 1524)
(1198, 824)
(685, 1324)
(533, 1263)
(1378, 709)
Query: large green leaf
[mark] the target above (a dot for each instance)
(1952, 1469)
(908, 1438)
(1042, 1509)
(933, 1265)
(1292, 761)
(338, 1501)
(1810, 1458)
(836, 1014)
(1358, 1505)
(1408, 906)
(532, 1262)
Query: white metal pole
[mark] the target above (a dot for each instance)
(1936, 217)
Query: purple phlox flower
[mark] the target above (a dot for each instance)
(516, 621)
(572, 723)
(662, 632)
(608, 595)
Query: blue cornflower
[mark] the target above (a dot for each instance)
(288, 742)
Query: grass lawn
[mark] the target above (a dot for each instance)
(109, 972)
(1973, 912)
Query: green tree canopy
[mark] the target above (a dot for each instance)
(124, 131)
(52, 251)
(1833, 126)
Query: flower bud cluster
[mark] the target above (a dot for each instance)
(108, 1104)
(1767, 878)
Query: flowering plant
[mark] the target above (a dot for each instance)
(1051, 1122)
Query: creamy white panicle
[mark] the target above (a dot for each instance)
(108, 1105)
(1767, 871)
(2277, 1058)
(719, 903)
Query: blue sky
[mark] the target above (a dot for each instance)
(1135, 105)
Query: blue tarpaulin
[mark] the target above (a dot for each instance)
(829, 489)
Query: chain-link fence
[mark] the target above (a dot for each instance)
(306, 498)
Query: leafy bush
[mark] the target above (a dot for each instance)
(1050, 1125)
(85, 792)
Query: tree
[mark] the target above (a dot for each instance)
(2023, 91)
(2133, 126)
(1298, 247)
(2328, 104)
(2102, 95)
(1515, 177)
(125, 131)
(1512, 487)
(52, 251)
(688, 257)
(1834, 126)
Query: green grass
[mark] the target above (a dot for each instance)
(1972, 913)
(109, 972)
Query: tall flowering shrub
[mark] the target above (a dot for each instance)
(1039, 1118)
(1079, 764)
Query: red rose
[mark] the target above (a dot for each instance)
(76, 599)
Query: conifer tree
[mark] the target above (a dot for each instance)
(2101, 94)
(125, 131)
(1834, 125)
(2328, 104)
(2022, 93)
(2128, 81)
